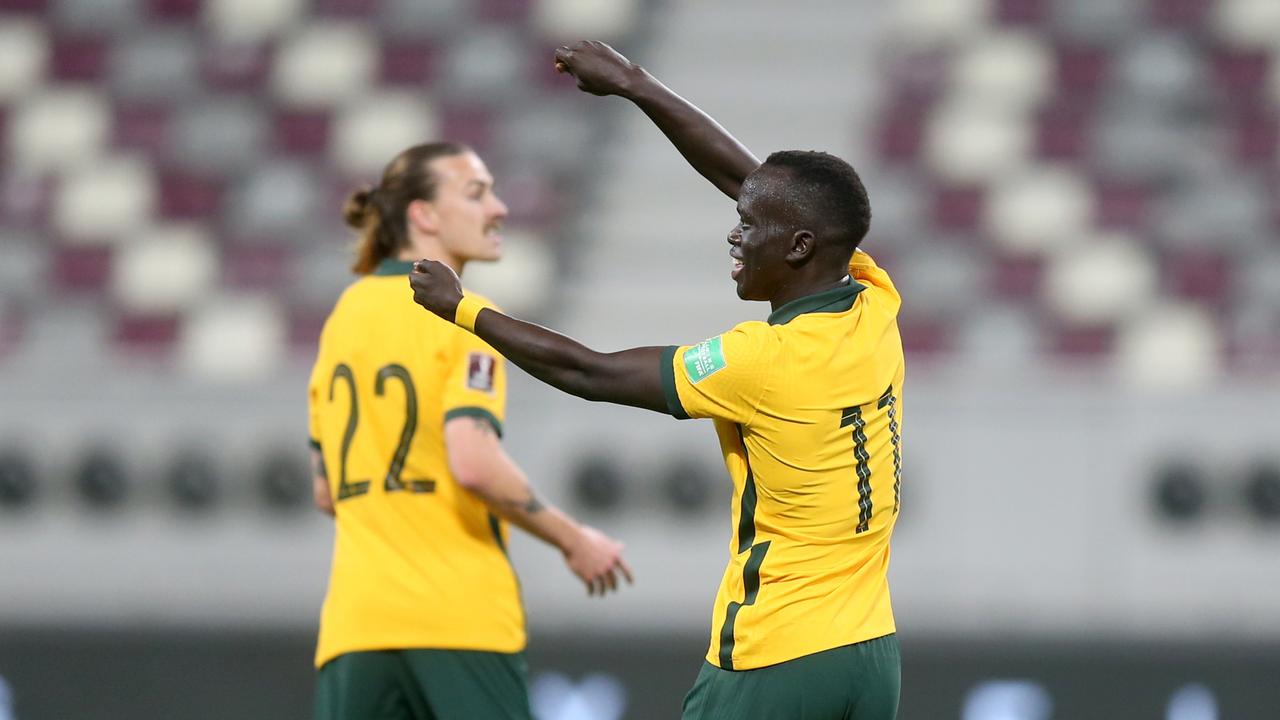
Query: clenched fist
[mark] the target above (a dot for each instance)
(436, 288)
(598, 68)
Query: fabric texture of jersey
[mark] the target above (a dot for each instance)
(808, 410)
(418, 562)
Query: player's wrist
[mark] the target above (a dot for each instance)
(637, 83)
(464, 315)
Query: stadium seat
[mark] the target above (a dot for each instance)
(522, 283)
(1039, 210)
(80, 58)
(96, 15)
(372, 128)
(1170, 347)
(325, 63)
(1096, 20)
(156, 65)
(275, 199)
(189, 196)
(166, 269)
(485, 64)
(251, 20)
(233, 338)
(143, 127)
(105, 200)
(556, 20)
(973, 142)
(57, 129)
(222, 135)
(301, 132)
(418, 18)
(1004, 69)
(24, 55)
(1248, 23)
(1100, 280)
(938, 22)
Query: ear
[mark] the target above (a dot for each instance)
(422, 215)
(802, 247)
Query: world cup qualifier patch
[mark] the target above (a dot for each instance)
(703, 359)
(480, 368)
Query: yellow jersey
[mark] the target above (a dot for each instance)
(808, 410)
(418, 562)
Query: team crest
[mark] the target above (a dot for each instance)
(480, 367)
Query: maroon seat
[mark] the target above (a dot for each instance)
(1121, 205)
(301, 132)
(1081, 71)
(1180, 14)
(25, 200)
(1256, 137)
(188, 196)
(256, 266)
(405, 63)
(924, 336)
(1062, 133)
(174, 9)
(1016, 277)
(141, 127)
(304, 326)
(1201, 274)
(78, 59)
(236, 68)
(470, 125)
(958, 208)
(346, 8)
(35, 7)
(150, 333)
(503, 11)
(1240, 75)
(900, 136)
(1080, 342)
(80, 269)
(1021, 12)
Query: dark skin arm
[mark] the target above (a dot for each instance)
(629, 377)
(709, 148)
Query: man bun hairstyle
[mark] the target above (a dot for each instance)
(828, 191)
(377, 212)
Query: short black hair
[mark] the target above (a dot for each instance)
(828, 191)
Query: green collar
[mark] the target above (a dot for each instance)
(837, 299)
(393, 267)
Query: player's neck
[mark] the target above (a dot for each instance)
(432, 251)
(803, 287)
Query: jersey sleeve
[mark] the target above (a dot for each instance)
(315, 388)
(477, 382)
(724, 377)
(864, 269)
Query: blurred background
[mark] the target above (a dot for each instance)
(1079, 199)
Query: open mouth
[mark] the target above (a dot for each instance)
(735, 267)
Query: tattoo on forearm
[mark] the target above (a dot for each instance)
(529, 505)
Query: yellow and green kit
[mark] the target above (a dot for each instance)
(809, 413)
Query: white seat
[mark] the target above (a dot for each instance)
(105, 200)
(165, 269)
(237, 338)
(938, 22)
(1013, 69)
(1039, 209)
(521, 282)
(1248, 23)
(325, 63)
(24, 55)
(969, 141)
(1171, 347)
(374, 128)
(251, 20)
(57, 129)
(560, 21)
(1103, 279)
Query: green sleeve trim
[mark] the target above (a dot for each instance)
(314, 443)
(666, 368)
(475, 412)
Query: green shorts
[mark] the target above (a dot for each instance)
(853, 682)
(423, 685)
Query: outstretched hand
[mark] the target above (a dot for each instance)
(598, 68)
(436, 288)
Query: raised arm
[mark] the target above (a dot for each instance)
(709, 148)
(630, 377)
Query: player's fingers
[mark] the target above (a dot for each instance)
(611, 579)
(626, 571)
(563, 55)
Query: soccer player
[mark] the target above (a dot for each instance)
(423, 618)
(807, 407)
